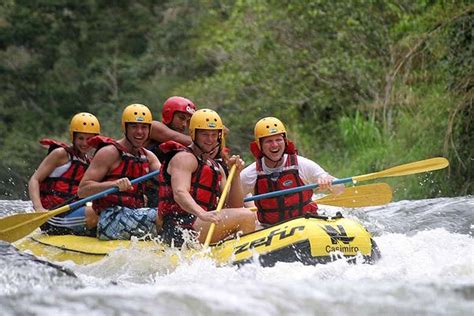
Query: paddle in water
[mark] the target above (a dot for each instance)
(402, 170)
(17, 226)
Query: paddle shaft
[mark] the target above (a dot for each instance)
(99, 195)
(292, 190)
(405, 169)
(220, 204)
(15, 227)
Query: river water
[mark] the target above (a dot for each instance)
(427, 268)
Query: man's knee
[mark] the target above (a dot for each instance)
(91, 217)
(247, 220)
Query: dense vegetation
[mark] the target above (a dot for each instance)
(361, 85)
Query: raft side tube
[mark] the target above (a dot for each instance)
(309, 239)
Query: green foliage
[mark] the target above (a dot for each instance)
(359, 134)
(459, 137)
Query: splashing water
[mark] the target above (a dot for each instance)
(427, 268)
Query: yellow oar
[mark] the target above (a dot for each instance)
(406, 169)
(359, 196)
(220, 204)
(17, 226)
(402, 170)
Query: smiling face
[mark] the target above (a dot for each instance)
(80, 142)
(180, 122)
(207, 140)
(273, 147)
(137, 133)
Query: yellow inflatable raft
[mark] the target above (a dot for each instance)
(310, 240)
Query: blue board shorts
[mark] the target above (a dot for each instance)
(72, 222)
(121, 223)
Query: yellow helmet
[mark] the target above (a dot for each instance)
(136, 113)
(268, 126)
(205, 119)
(84, 123)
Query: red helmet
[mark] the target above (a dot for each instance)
(176, 104)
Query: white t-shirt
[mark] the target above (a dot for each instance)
(59, 171)
(309, 172)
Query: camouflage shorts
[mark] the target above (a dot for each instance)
(122, 223)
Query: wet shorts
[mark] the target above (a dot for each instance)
(122, 223)
(72, 222)
(176, 227)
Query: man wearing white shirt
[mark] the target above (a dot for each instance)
(279, 167)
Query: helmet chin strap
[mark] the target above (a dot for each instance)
(78, 152)
(210, 151)
(276, 162)
(128, 139)
(75, 148)
(206, 152)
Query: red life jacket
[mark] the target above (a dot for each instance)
(55, 191)
(204, 187)
(131, 167)
(283, 207)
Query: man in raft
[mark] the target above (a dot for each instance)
(57, 178)
(122, 214)
(277, 167)
(175, 116)
(191, 183)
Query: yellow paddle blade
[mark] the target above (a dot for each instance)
(360, 196)
(406, 169)
(17, 226)
(14, 227)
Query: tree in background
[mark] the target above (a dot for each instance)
(362, 84)
(63, 57)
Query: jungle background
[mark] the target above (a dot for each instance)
(361, 85)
